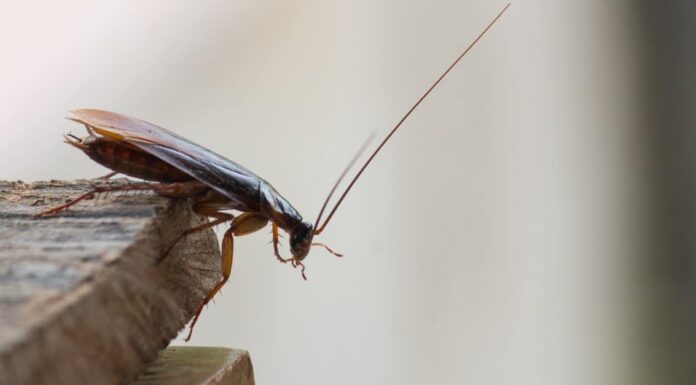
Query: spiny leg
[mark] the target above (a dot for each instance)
(244, 224)
(221, 218)
(94, 191)
(169, 190)
(226, 269)
(107, 176)
(276, 241)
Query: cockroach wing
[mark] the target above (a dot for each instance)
(225, 176)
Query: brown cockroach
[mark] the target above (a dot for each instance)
(178, 168)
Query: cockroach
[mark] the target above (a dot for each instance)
(175, 167)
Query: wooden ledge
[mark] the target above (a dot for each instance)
(81, 298)
(184, 365)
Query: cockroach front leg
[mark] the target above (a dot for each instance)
(295, 262)
(276, 242)
(243, 224)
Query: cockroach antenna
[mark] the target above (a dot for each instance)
(319, 228)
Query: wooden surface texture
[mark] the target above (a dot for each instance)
(82, 300)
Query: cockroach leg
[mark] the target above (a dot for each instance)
(226, 268)
(276, 242)
(293, 261)
(223, 217)
(91, 193)
(107, 176)
(327, 249)
(244, 224)
(296, 263)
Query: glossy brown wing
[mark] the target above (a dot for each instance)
(225, 176)
(122, 127)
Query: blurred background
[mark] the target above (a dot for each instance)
(532, 223)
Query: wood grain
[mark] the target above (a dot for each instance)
(82, 300)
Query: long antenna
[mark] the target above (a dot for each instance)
(343, 175)
(319, 229)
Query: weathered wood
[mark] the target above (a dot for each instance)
(183, 365)
(82, 300)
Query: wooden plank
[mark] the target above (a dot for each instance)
(184, 365)
(82, 300)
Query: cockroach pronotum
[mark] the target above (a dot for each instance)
(177, 168)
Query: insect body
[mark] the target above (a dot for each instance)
(178, 168)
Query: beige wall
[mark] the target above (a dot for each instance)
(490, 243)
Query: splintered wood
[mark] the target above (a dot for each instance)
(82, 299)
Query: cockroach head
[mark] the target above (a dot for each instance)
(301, 240)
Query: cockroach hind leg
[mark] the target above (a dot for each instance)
(91, 193)
(57, 209)
(107, 176)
